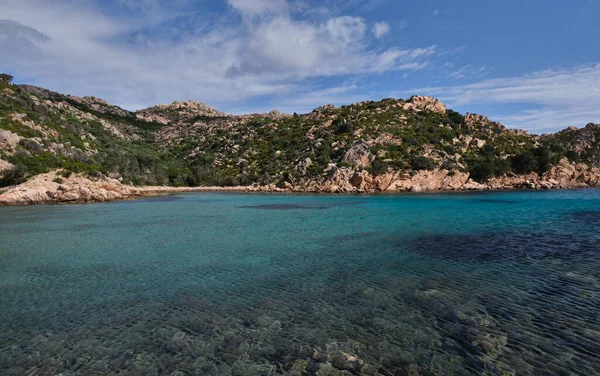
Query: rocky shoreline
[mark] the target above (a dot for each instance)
(54, 188)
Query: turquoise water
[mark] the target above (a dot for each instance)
(236, 284)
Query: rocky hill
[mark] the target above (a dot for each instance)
(393, 144)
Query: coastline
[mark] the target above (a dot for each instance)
(53, 188)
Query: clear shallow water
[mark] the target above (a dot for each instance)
(233, 284)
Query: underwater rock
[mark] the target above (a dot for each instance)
(493, 345)
(343, 361)
(581, 278)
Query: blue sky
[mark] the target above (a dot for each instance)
(529, 64)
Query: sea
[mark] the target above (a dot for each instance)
(481, 283)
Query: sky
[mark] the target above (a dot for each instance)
(529, 64)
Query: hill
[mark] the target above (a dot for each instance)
(393, 144)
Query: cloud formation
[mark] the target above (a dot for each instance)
(260, 48)
(381, 29)
(258, 7)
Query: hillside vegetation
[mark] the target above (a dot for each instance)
(188, 143)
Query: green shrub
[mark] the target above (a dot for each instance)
(482, 169)
(31, 145)
(524, 163)
(342, 126)
(454, 118)
(379, 167)
(422, 163)
(14, 176)
(538, 160)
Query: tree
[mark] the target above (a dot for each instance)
(4, 77)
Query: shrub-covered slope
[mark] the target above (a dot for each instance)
(42, 130)
(188, 143)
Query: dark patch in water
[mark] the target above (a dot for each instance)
(300, 206)
(166, 198)
(283, 207)
(589, 217)
(493, 201)
(503, 246)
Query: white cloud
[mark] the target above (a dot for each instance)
(381, 29)
(92, 53)
(258, 7)
(556, 98)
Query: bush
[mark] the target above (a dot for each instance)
(31, 145)
(342, 126)
(537, 160)
(482, 169)
(524, 163)
(14, 176)
(455, 118)
(422, 163)
(379, 167)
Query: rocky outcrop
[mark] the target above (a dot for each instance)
(178, 112)
(564, 175)
(276, 115)
(53, 188)
(422, 102)
(100, 105)
(359, 154)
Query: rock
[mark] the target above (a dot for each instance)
(303, 165)
(325, 108)
(43, 189)
(493, 345)
(581, 278)
(421, 102)
(344, 361)
(178, 112)
(357, 179)
(285, 185)
(4, 165)
(8, 140)
(276, 115)
(359, 154)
